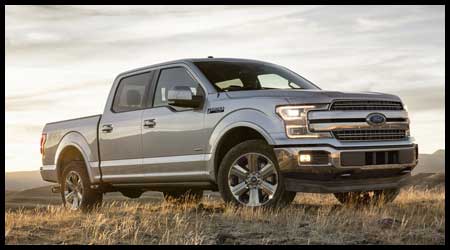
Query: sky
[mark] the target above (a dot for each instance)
(61, 60)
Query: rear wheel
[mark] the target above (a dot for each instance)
(76, 191)
(249, 176)
(369, 197)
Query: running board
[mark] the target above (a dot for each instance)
(160, 186)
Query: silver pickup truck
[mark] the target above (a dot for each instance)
(257, 132)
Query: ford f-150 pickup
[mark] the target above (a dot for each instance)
(254, 131)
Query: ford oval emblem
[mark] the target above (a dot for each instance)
(376, 119)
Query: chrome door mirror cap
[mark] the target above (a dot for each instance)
(182, 96)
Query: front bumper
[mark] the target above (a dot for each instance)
(347, 169)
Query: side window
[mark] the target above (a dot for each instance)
(130, 92)
(170, 78)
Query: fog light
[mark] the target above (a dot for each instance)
(313, 158)
(305, 158)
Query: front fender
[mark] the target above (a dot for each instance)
(75, 139)
(251, 118)
(264, 123)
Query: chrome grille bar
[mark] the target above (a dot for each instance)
(369, 134)
(347, 120)
(323, 127)
(366, 105)
(319, 115)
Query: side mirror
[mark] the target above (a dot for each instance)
(181, 96)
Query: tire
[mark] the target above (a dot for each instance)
(288, 197)
(183, 195)
(249, 181)
(90, 198)
(364, 198)
(132, 194)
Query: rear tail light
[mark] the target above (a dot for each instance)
(43, 139)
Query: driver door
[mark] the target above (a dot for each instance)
(173, 138)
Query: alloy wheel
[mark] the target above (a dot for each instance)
(73, 190)
(253, 179)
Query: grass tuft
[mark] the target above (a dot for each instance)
(416, 217)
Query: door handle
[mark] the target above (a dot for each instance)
(150, 123)
(107, 128)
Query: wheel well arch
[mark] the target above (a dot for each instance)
(230, 139)
(68, 154)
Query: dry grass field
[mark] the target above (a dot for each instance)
(416, 217)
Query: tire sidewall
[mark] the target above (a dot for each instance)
(90, 197)
(388, 195)
(251, 146)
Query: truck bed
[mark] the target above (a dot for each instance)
(84, 127)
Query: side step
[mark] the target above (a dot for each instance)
(56, 189)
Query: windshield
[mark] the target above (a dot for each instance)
(235, 76)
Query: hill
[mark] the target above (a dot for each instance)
(431, 163)
(16, 181)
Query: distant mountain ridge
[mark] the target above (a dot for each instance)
(431, 163)
(16, 181)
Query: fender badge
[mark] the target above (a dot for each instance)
(215, 110)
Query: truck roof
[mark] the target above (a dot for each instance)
(191, 60)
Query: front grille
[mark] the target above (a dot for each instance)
(366, 105)
(370, 134)
(320, 157)
(362, 158)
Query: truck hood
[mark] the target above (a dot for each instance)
(304, 96)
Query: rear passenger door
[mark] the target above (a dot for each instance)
(174, 147)
(120, 129)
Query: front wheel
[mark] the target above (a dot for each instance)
(370, 197)
(249, 176)
(76, 191)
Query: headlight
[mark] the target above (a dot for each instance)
(296, 120)
(290, 113)
(405, 107)
(407, 132)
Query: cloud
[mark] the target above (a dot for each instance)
(424, 98)
(61, 60)
(40, 99)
